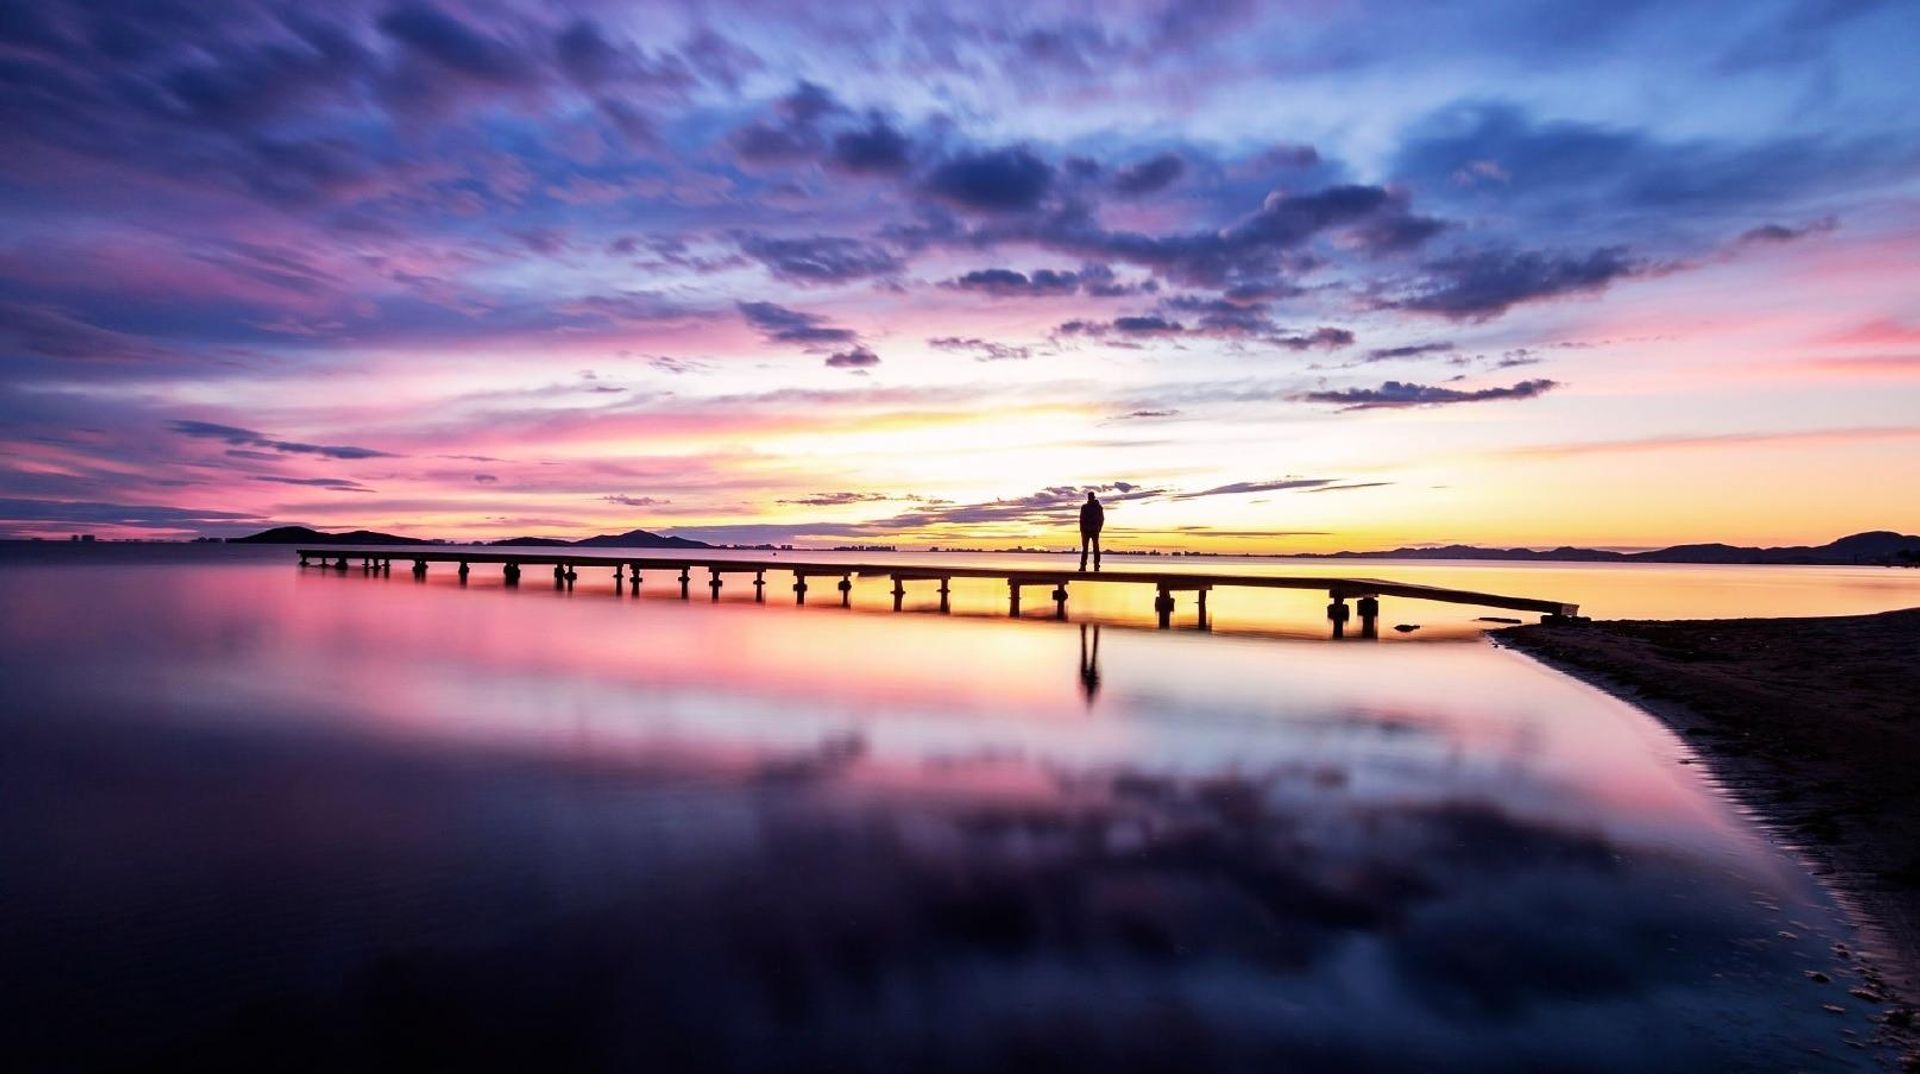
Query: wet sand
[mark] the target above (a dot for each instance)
(1813, 723)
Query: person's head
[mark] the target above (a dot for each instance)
(1089, 497)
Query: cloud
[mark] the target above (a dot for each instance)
(982, 350)
(452, 44)
(855, 358)
(1396, 393)
(876, 149)
(837, 499)
(1153, 174)
(486, 479)
(98, 513)
(1779, 233)
(1350, 486)
(1715, 441)
(1415, 350)
(782, 325)
(1004, 283)
(248, 438)
(820, 259)
(1485, 284)
(1094, 280)
(792, 135)
(335, 484)
(1219, 320)
(1563, 175)
(51, 332)
(1049, 505)
(636, 501)
(1012, 179)
(1242, 488)
(1260, 250)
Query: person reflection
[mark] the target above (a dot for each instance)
(1090, 662)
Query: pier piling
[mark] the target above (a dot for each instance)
(1365, 593)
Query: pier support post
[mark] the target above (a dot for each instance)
(714, 583)
(846, 591)
(420, 569)
(341, 565)
(633, 577)
(1200, 618)
(899, 592)
(1337, 615)
(512, 573)
(1060, 601)
(619, 577)
(686, 579)
(465, 569)
(1013, 597)
(799, 589)
(1369, 609)
(386, 566)
(759, 587)
(303, 559)
(944, 589)
(1163, 604)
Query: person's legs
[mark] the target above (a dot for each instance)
(1084, 539)
(1096, 551)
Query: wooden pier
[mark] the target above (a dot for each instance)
(627, 568)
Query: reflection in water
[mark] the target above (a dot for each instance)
(258, 819)
(1090, 661)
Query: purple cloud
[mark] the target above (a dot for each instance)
(1394, 393)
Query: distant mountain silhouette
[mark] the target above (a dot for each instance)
(1874, 547)
(639, 539)
(629, 539)
(303, 535)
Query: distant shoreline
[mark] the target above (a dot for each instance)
(1814, 723)
(1876, 548)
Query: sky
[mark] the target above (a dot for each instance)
(1265, 277)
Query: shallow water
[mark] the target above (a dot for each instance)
(264, 818)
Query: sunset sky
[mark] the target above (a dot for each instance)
(1287, 277)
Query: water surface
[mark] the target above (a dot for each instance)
(261, 818)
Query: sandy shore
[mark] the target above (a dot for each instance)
(1813, 723)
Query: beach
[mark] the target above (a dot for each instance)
(1813, 722)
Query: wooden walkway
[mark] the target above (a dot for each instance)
(627, 569)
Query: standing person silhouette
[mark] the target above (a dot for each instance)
(1092, 517)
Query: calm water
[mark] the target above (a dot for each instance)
(258, 818)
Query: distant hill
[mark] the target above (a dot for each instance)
(1875, 547)
(303, 535)
(639, 539)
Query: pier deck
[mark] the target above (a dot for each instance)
(627, 568)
